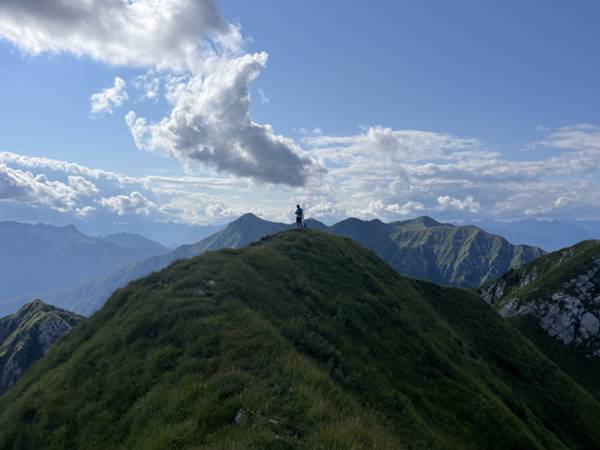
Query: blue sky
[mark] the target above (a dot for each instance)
(462, 110)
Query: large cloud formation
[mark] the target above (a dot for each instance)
(142, 33)
(195, 51)
(462, 180)
(210, 123)
(195, 58)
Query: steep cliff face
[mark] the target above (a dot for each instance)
(27, 336)
(561, 291)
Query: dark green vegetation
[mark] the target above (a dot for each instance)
(43, 258)
(27, 336)
(422, 248)
(302, 341)
(573, 361)
(555, 302)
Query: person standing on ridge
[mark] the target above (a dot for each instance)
(299, 217)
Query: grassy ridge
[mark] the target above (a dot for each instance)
(310, 342)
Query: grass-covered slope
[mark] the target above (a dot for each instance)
(303, 341)
(555, 301)
(27, 335)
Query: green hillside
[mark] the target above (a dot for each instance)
(302, 341)
(446, 254)
(555, 301)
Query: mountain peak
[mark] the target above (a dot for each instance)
(33, 305)
(315, 224)
(247, 218)
(27, 335)
(427, 222)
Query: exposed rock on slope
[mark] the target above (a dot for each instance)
(560, 290)
(27, 336)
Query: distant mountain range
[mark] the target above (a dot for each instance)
(169, 234)
(547, 234)
(300, 340)
(27, 335)
(42, 258)
(140, 246)
(423, 248)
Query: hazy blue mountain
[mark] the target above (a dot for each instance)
(422, 248)
(36, 258)
(547, 234)
(197, 234)
(141, 246)
(298, 341)
(169, 234)
(91, 295)
(27, 335)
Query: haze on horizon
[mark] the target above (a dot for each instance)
(197, 111)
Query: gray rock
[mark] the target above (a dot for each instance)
(240, 415)
(589, 325)
(493, 292)
(27, 336)
(529, 278)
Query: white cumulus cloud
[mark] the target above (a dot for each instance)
(446, 202)
(210, 123)
(108, 99)
(134, 203)
(140, 33)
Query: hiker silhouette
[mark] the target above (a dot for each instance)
(299, 218)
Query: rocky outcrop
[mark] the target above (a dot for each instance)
(565, 317)
(561, 291)
(27, 335)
